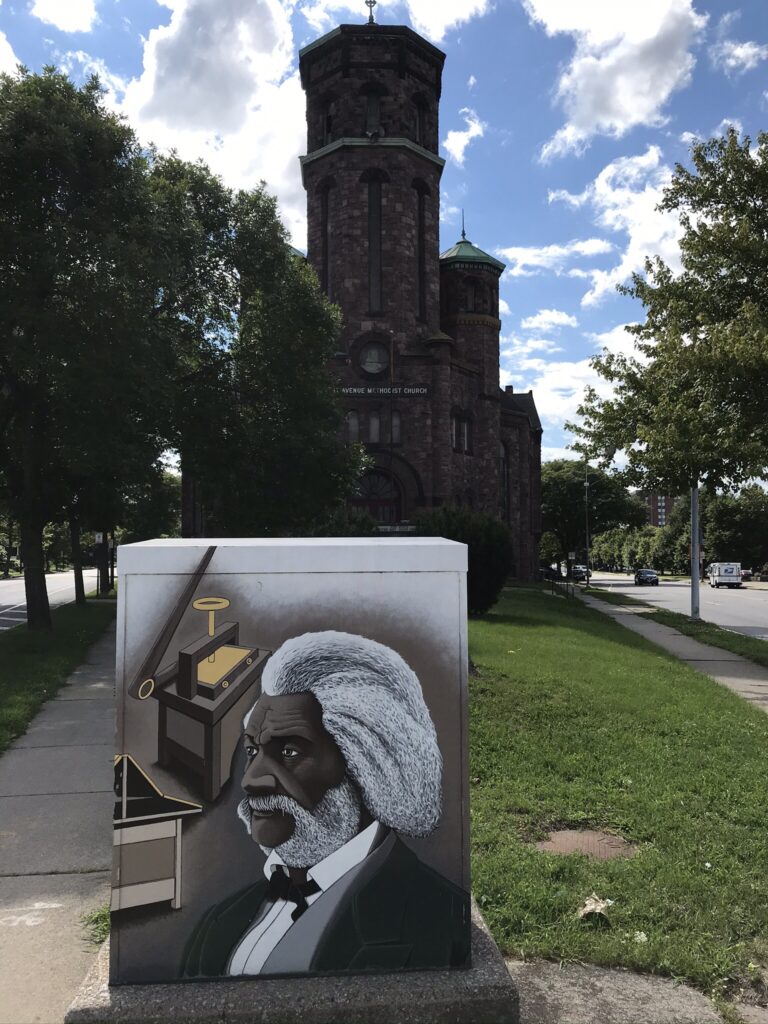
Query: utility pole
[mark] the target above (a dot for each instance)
(695, 556)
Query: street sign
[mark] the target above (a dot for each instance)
(99, 538)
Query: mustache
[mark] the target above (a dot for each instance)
(274, 802)
(263, 804)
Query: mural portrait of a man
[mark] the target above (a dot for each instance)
(342, 759)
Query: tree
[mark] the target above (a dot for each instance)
(562, 503)
(81, 371)
(693, 404)
(277, 463)
(736, 527)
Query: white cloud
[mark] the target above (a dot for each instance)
(690, 138)
(8, 59)
(428, 17)
(623, 199)
(629, 58)
(456, 141)
(78, 64)
(471, 82)
(67, 15)
(518, 351)
(618, 341)
(504, 309)
(558, 386)
(549, 320)
(218, 83)
(731, 56)
(725, 124)
(527, 260)
(549, 454)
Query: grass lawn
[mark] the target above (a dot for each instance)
(33, 665)
(576, 722)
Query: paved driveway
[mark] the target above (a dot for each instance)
(61, 590)
(744, 610)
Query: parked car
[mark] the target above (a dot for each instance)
(746, 575)
(579, 573)
(646, 577)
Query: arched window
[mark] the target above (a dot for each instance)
(353, 426)
(326, 235)
(395, 427)
(374, 179)
(461, 433)
(326, 120)
(379, 495)
(470, 295)
(504, 480)
(420, 120)
(422, 192)
(373, 92)
(374, 427)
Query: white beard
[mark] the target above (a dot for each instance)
(316, 834)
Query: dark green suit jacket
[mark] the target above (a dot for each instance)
(395, 914)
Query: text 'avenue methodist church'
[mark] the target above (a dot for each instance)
(419, 359)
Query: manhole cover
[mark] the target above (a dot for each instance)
(600, 845)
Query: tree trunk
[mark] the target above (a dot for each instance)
(38, 609)
(8, 549)
(77, 558)
(112, 561)
(103, 559)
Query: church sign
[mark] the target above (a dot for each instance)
(387, 391)
(291, 763)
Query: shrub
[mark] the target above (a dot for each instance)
(490, 550)
(346, 522)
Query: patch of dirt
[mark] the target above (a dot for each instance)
(600, 845)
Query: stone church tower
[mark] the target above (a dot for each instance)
(419, 356)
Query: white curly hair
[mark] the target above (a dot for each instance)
(373, 707)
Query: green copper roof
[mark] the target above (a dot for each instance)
(465, 252)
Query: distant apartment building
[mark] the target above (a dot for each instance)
(658, 508)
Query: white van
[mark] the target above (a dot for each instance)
(724, 574)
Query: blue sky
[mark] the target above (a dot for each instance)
(561, 121)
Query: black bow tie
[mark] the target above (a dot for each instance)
(282, 888)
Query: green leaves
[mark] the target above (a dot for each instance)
(693, 404)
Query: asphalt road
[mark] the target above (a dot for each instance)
(744, 610)
(61, 590)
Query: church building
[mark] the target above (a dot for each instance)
(418, 360)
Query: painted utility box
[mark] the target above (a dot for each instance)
(291, 763)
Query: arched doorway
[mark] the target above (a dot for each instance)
(379, 495)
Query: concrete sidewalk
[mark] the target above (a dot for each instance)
(56, 842)
(739, 674)
(55, 856)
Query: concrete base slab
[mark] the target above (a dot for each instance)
(51, 770)
(56, 834)
(482, 994)
(581, 994)
(43, 950)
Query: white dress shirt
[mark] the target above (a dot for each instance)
(252, 951)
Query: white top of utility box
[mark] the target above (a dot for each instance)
(294, 554)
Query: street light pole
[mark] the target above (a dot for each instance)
(586, 513)
(695, 556)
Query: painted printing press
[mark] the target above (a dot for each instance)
(204, 693)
